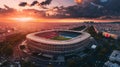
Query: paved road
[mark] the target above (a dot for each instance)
(17, 53)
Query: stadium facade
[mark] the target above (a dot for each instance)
(55, 43)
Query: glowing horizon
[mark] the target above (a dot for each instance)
(23, 19)
(68, 20)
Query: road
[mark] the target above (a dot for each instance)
(17, 53)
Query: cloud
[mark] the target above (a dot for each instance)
(112, 5)
(34, 3)
(97, 5)
(23, 4)
(91, 9)
(6, 10)
(40, 4)
(46, 2)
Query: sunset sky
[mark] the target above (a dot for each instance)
(14, 3)
(59, 9)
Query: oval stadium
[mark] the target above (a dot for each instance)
(57, 43)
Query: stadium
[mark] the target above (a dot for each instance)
(57, 43)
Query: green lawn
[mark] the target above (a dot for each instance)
(60, 38)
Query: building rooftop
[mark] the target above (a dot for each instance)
(114, 59)
(110, 64)
(115, 56)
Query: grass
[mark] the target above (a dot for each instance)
(60, 38)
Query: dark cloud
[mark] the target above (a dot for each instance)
(6, 10)
(7, 7)
(113, 5)
(34, 3)
(23, 4)
(97, 5)
(46, 2)
(108, 9)
(40, 4)
(93, 9)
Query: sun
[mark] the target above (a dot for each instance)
(23, 19)
(78, 1)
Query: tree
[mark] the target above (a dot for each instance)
(79, 28)
(72, 63)
(22, 47)
(92, 31)
(50, 65)
(27, 64)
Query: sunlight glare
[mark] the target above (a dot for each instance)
(78, 1)
(24, 19)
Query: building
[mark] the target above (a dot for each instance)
(114, 59)
(115, 56)
(56, 44)
(110, 64)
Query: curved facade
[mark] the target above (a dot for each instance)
(57, 42)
